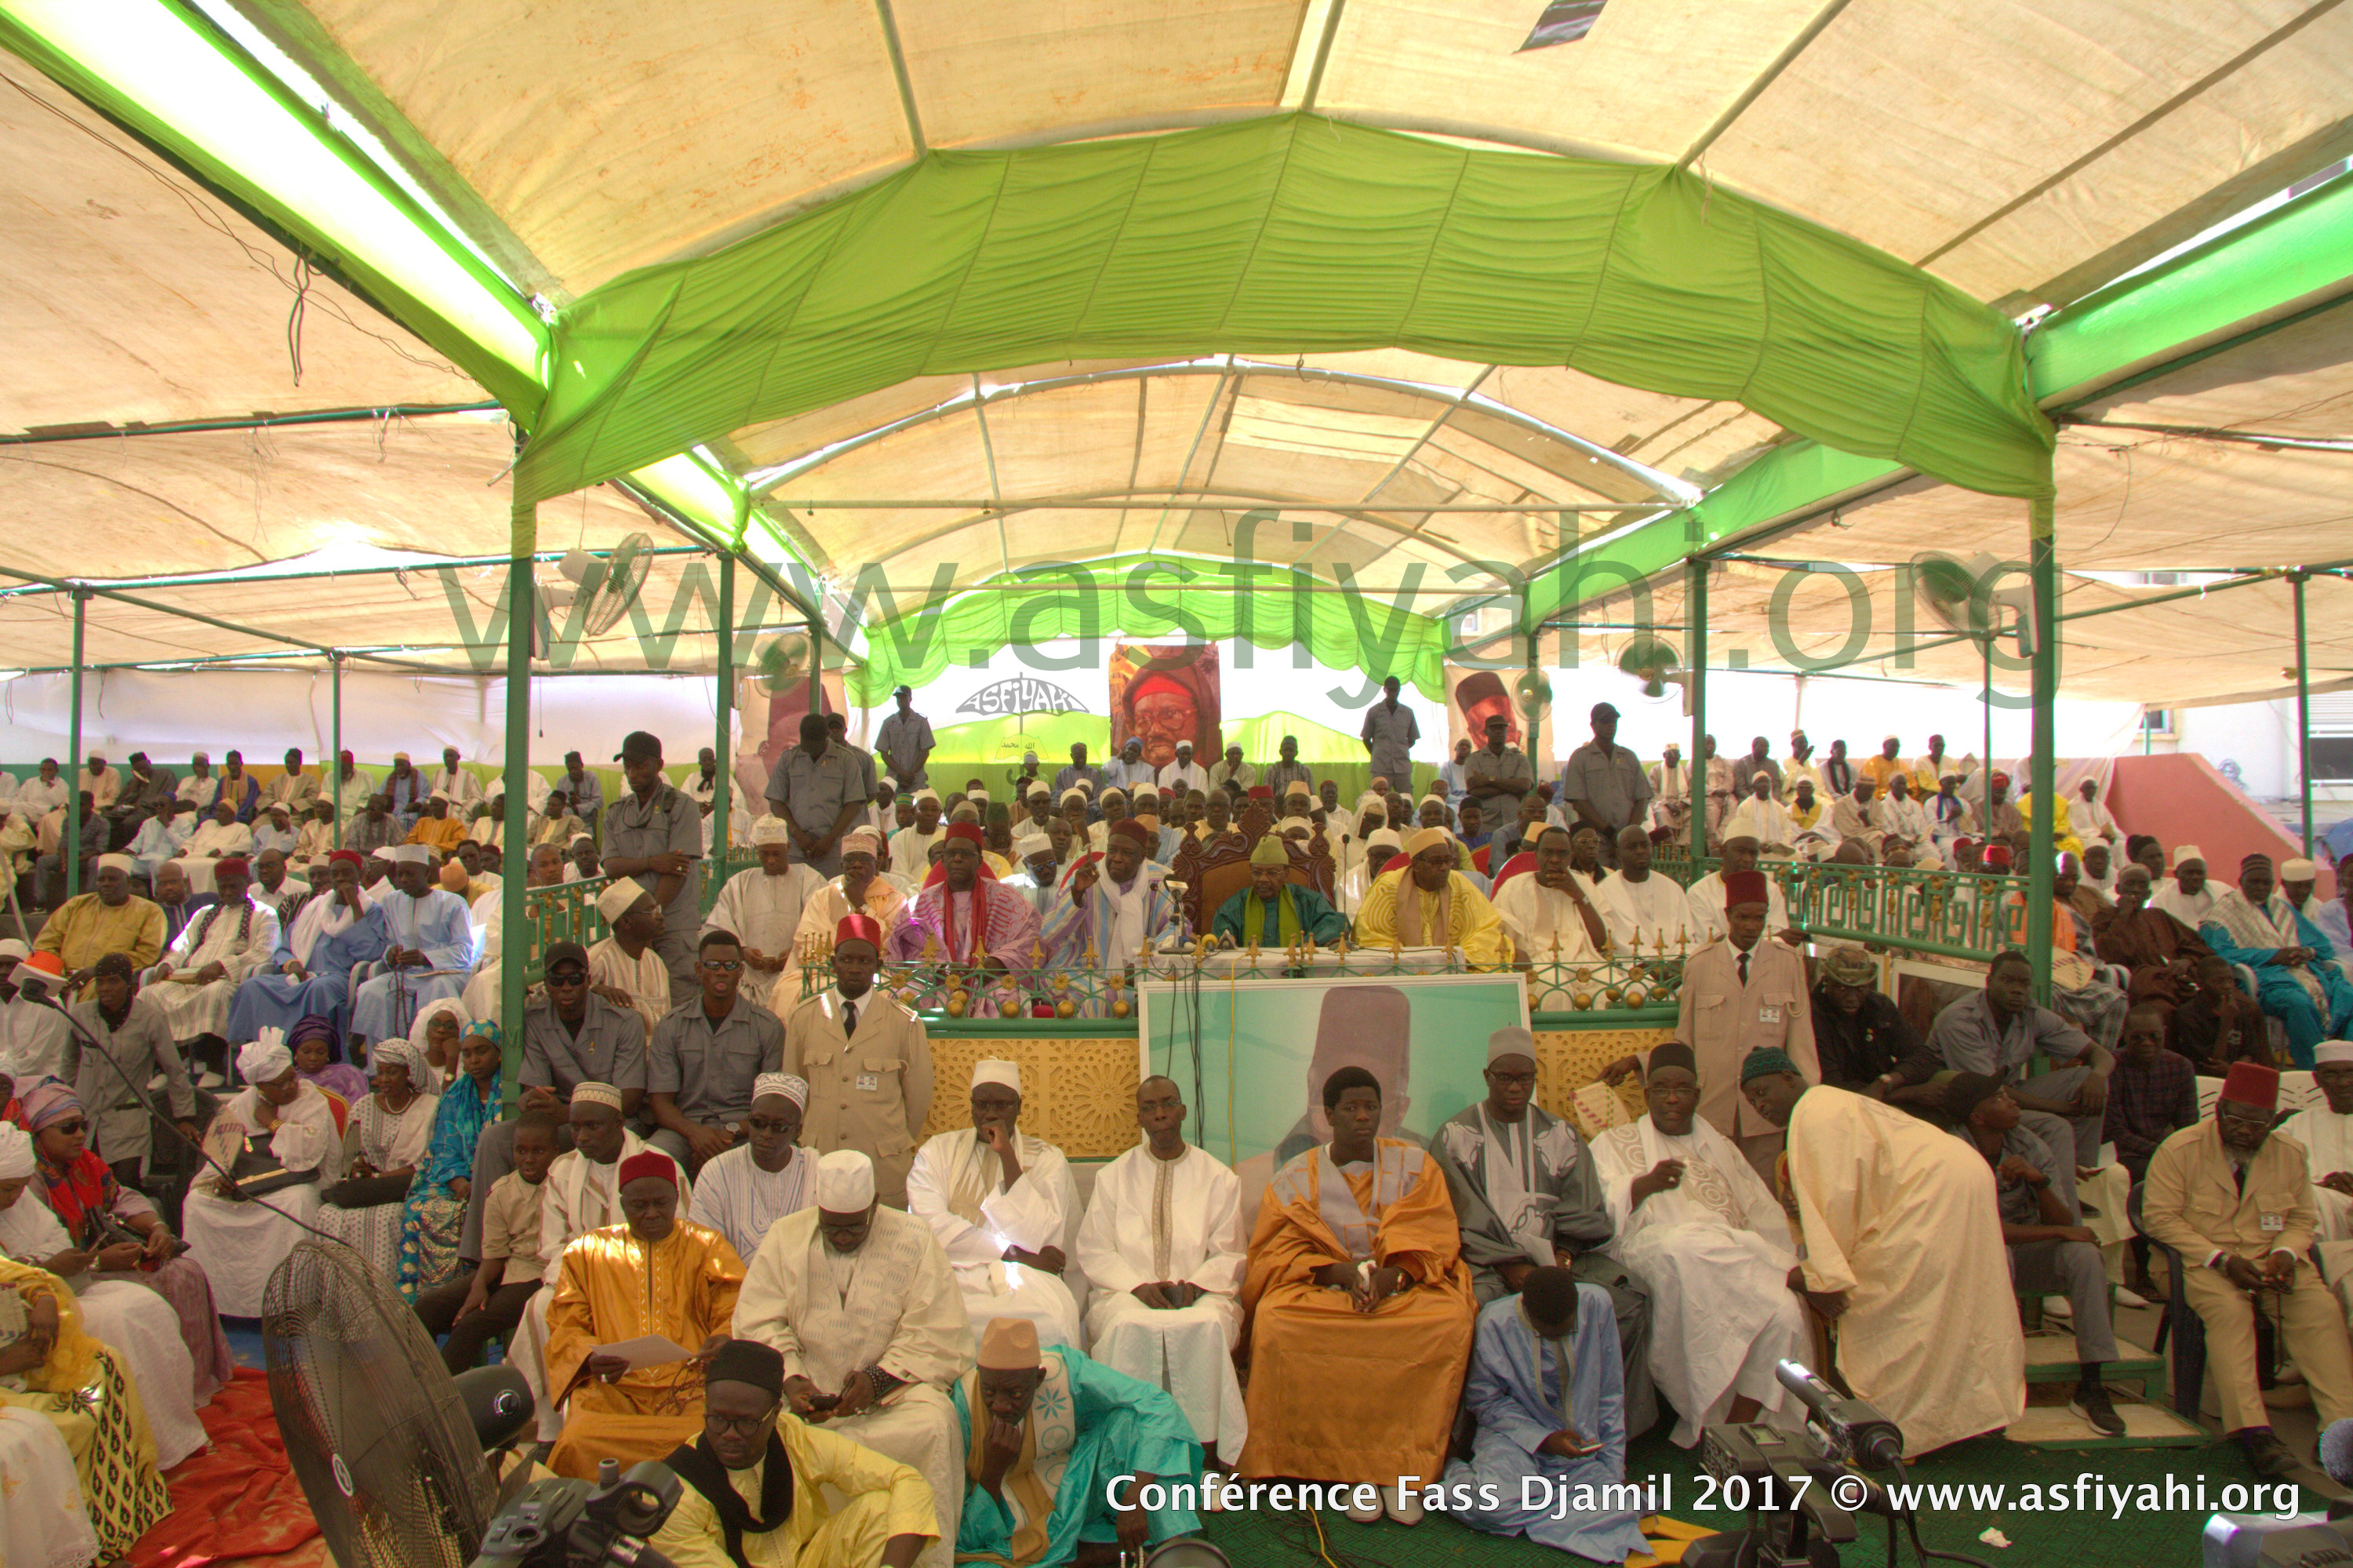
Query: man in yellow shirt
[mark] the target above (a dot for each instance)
(753, 1483)
(1422, 901)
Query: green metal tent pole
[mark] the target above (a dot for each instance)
(71, 847)
(2303, 711)
(724, 743)
(515, 937)
(1985, 769)
(2042, 568)
(1536, 708)
(816, 665)
(335, 764)
(1695, 768)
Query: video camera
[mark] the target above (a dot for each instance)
(577, 1525)
(1801, 1491)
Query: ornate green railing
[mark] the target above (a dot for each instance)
(566, 912)
(1626, 989)
(1951, 913)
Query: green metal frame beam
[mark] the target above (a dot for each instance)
(98, 431)
(2255, 280)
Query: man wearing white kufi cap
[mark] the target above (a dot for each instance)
(859, 889)
(429, 951)
(861, 1301)
(2186, 895)
(1004, 1208)
(911, 847)
(743, 1191)
(1164, 1249)
(241, 1244)
(763, 905)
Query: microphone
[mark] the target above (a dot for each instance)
(1873, 1440)
(2336, 1452)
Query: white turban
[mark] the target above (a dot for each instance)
(927, 794)
(978, 797)
(2298, 870)
(15, 1152)
(265, 1061)
(865, 839)
(1114, 792)
(1383, 838)
(12, 949)
(768, 829)
(793, 1089)
(121, 863)
(597, 1093)
(996, 1070)
(845, 1182)
(387, 852)
(2184, 854)
(1302, 823)
(411, 855)
(1040, 787)
(614, 901)
(1073, 793)
(1027, 844)
(2325, 1052)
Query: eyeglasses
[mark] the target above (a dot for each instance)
(1520, 1080)
(766, 1124)
(748, 1425)
(721, 965)
(567, 977)
(66, 1128)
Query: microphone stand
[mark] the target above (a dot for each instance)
(139, 1091)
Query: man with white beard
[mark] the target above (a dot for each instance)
(861, 1302)
(1164, 1249)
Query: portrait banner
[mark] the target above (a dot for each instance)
(1259, 1050)
(1162, 693)
(1473, 694)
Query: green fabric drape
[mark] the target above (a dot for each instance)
(1140, 597)
(1292, 234)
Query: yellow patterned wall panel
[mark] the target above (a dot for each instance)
(1077, 1094)
(1568, 1059)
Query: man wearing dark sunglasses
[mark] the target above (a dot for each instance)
(570, 1036)
(705, 1054)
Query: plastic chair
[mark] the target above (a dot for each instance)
(2187, 1369)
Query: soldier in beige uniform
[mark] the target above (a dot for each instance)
(1740, 992)
(868, 1063)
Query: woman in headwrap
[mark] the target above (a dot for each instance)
(57, 1372)
(136, 1324)
(94, 1209)
(319, 1058)
(240, 1239)
(384, 1142)
(436, 1215)
(440, 1026)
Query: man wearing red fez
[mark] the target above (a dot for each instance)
(866, 1059)
(313, 974)
(965, 918)
(213, 955)
(654, 1275)
(1112, 905)
(1741, 993)
(2236, 1204)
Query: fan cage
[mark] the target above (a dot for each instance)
(372, 1424)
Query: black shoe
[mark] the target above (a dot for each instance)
(2269, 1457)
(2092, 1404)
